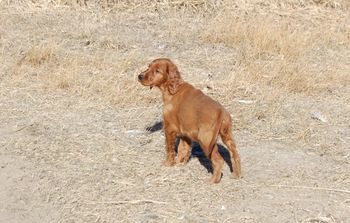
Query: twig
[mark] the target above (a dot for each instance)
(311, 188)
(20, 129)
(130, 202)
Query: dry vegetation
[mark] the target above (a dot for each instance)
(292, 41)
(69, 99)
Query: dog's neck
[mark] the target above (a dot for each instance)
(167, 96)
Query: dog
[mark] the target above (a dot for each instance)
(192, 116)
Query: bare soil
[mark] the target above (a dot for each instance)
(73, 139)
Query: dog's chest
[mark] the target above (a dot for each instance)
(168, 109)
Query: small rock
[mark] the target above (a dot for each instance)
(181, 217)
(319, 116)
(162, 46)
(246, 101)
(145, 142)
(268, 196)
(134, 132)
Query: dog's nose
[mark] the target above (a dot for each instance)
(140, 77)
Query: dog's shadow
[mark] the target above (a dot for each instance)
(197, 151)
(154, 127)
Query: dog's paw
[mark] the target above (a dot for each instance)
(215, 180)
(169, 162)
(181, 161)
(236, 176)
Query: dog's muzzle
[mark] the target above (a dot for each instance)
(141, 77)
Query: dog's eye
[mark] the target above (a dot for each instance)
(157, 71)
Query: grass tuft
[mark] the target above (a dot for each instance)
(38, 55)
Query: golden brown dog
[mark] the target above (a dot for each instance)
(192, 116)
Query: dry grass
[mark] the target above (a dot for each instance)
(126, 5)
(39, 55)
(107, 80)
(70, 104)
(271, 50)
(283, 49)
(181, 4)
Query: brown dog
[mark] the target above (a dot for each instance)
(192, 116)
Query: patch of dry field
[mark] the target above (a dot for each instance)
(72, 139)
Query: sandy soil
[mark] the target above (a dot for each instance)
(73, 155)
(64, 160)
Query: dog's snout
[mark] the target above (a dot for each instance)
(141, 76)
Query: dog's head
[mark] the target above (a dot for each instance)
(161, 73)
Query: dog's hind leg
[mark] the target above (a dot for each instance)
(227, 138)
(217, 161)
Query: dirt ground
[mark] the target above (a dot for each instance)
(73, 140)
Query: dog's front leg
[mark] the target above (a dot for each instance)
(170, 137)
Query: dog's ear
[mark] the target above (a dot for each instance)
(174, 78)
